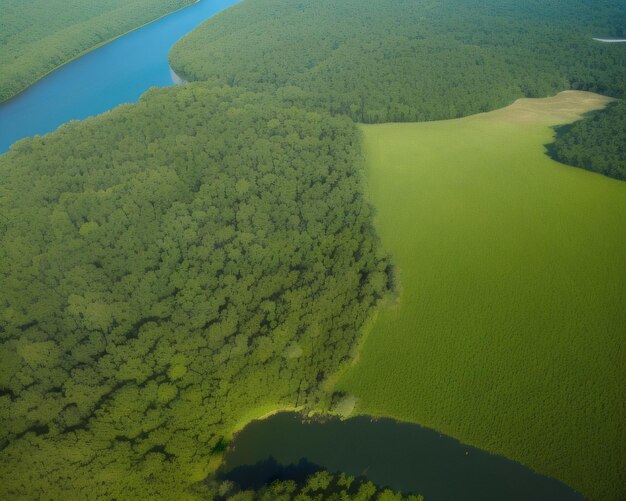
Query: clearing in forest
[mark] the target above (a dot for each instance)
(508, 332)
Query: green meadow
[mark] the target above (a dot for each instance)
(508, 328)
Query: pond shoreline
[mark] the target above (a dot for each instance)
(403, 456)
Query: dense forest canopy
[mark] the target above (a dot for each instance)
(36, 36)
(168, 268)
(409, 60)
(597, 143)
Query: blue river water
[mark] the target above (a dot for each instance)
(116, 73)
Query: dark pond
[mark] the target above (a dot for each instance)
(116, 73)
(402, 456)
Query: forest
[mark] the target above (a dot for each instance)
(39, 35)
(596, 143)
(168, 268)
(390, 61)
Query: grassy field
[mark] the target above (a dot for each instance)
(508, 333)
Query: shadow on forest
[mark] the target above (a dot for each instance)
(266, 471)
(404, 457)
(561, 131)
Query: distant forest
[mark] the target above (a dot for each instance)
(597, 143)
(36, 36)
(392, 61)
(402, 60)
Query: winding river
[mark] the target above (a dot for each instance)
(116, 73)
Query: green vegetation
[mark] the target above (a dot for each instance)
(176, 267)
(167, 269)
(37, 36)
(402, 60)
(508, 333)
(320, 486)
(597, 143)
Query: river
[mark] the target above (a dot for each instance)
(610, 40)
(118, 72)
(402, 456)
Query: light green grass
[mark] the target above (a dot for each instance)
(510, 327)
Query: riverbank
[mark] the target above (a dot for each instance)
(93, 48)
(178, 80)
(117, 72)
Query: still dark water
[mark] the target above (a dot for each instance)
(402, 456)
(116, 73)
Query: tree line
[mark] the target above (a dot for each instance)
(402, 60)
(318, 486)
